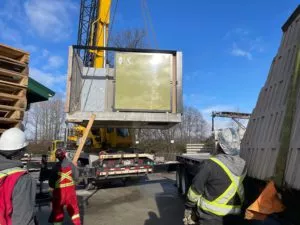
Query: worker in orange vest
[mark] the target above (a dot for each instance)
(62, 180)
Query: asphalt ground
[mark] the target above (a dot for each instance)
(150, 200)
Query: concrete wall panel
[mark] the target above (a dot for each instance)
(261, 142)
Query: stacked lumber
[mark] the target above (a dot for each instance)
(13, 86)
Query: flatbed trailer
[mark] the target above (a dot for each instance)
(187, 169)
(117, 166)
(106, 167)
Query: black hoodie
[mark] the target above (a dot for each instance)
(211, 181)
(23, 197)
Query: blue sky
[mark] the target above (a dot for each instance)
(227, 45)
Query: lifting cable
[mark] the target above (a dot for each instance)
(112, 21)
(148, 22)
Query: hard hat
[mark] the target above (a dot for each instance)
(229, 141)
(12, 139)
(60, 154)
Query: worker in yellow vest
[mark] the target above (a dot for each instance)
(217, 191)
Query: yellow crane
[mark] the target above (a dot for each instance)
(100, 29)
(97, 35)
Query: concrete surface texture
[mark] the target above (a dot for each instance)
(152, 200)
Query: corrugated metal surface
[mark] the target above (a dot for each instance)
(261, 142)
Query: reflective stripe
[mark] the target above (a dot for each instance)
(64, 185)
(64, 176)
(220, 206)
(10, 171)
(235, 186)
(193, 196)
(218, 209)
(75, 216)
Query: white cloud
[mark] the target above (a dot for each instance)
(9, 34)
(45, 53)
(54, 62)
(245, 43)
(13, 37)
(237, 32)
(51, 18)
(196, 99)
(11, 10)
(50, 80)
(236, 51)
(28, 48)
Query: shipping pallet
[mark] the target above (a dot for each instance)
(13, 86)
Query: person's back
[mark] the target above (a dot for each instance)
(17, 188)
(60, 166)
(217, 189)
(62, 180)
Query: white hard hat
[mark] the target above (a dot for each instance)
(229, 141)
(12, 139)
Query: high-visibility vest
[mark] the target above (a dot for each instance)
(8, 180)
(64, 178)
(220, 205)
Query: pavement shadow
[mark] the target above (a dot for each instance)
(169, 203)
(43, 209)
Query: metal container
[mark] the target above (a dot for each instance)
(144, 90)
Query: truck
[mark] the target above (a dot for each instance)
(116, 160)
(123, 89)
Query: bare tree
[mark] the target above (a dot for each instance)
(130, 38)
(46, 120)
(192, 129)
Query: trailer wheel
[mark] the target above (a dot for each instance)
(185, 183)
(178, 178)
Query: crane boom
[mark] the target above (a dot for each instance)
(94, 20)
(101, 34)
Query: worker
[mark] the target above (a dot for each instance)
(62, 179)
(17, 188)
(217, 191)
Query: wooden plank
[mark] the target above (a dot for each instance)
(22, 103)
(11, 90)
(12, 61)
(10, 96)
(6, 123)
(12, 84)
(21, 80)
(11, 73)
(8, 120)
(14, 53)
(84, 137)
(11, 108)
(19, 115)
